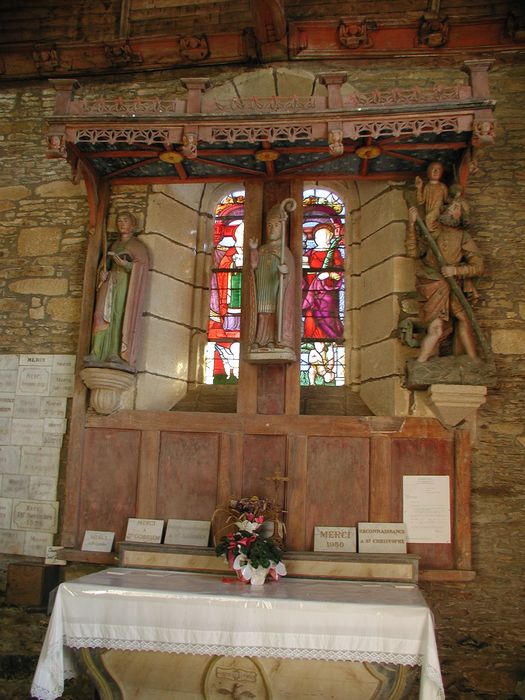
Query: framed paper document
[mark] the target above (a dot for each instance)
(426, 509)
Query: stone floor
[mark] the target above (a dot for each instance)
(22, 631)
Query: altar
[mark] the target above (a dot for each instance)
(210, 615)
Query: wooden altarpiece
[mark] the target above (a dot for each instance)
(341, 469)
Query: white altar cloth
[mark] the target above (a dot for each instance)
(189, 613)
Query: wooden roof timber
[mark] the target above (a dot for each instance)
(349, 38)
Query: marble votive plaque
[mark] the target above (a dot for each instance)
(33, 380)
(26, 431)
(40, 460)
(35, 515)
(15, 486)
(6, 507)
(9, 459)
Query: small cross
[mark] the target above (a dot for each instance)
(276, 478)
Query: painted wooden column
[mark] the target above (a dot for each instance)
(247, 391)
(79, 403)
(274, 388)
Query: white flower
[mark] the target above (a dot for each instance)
(247, 526)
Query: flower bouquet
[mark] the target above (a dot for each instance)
(250, 555)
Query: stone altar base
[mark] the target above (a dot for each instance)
(133, 675)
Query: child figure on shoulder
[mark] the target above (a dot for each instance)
(433, 194)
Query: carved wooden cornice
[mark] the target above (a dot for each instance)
(341, 38)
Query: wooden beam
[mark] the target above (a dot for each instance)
(380, 479)
(462, 488)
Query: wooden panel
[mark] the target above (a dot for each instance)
(423, 457)
(109, 481)
(295, 504)
(263, 455)
(270, 389)
(148, 472)
(187, 481)
(337, 483)
(230, 466)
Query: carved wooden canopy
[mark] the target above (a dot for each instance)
(200, 137)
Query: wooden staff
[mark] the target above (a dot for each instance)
(451, 281)
(287, 205)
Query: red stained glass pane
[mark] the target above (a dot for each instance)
(323, 289)
(224, 325)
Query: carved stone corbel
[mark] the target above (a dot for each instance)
(454, 403)
(108, 388)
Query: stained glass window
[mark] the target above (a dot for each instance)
(224, 325)
(323, 289)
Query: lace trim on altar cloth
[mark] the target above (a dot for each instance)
(263, 652)
(37, 691)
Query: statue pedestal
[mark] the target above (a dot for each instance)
(454, 403)
(275, 356)
(457, 370)
(108, 387)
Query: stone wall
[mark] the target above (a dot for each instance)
(42, 232)
(480, 624)
(386, 273)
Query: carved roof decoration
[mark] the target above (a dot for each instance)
(61, 38)
(198, 137)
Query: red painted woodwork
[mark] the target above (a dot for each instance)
(270, 389)
(108, 487)
(337, 483)
(187, 479)
(264, 455)
(423, 457)
(341, 470)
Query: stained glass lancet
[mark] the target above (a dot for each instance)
(224, 325)
(323, 289)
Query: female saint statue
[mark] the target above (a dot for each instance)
(121, 281)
